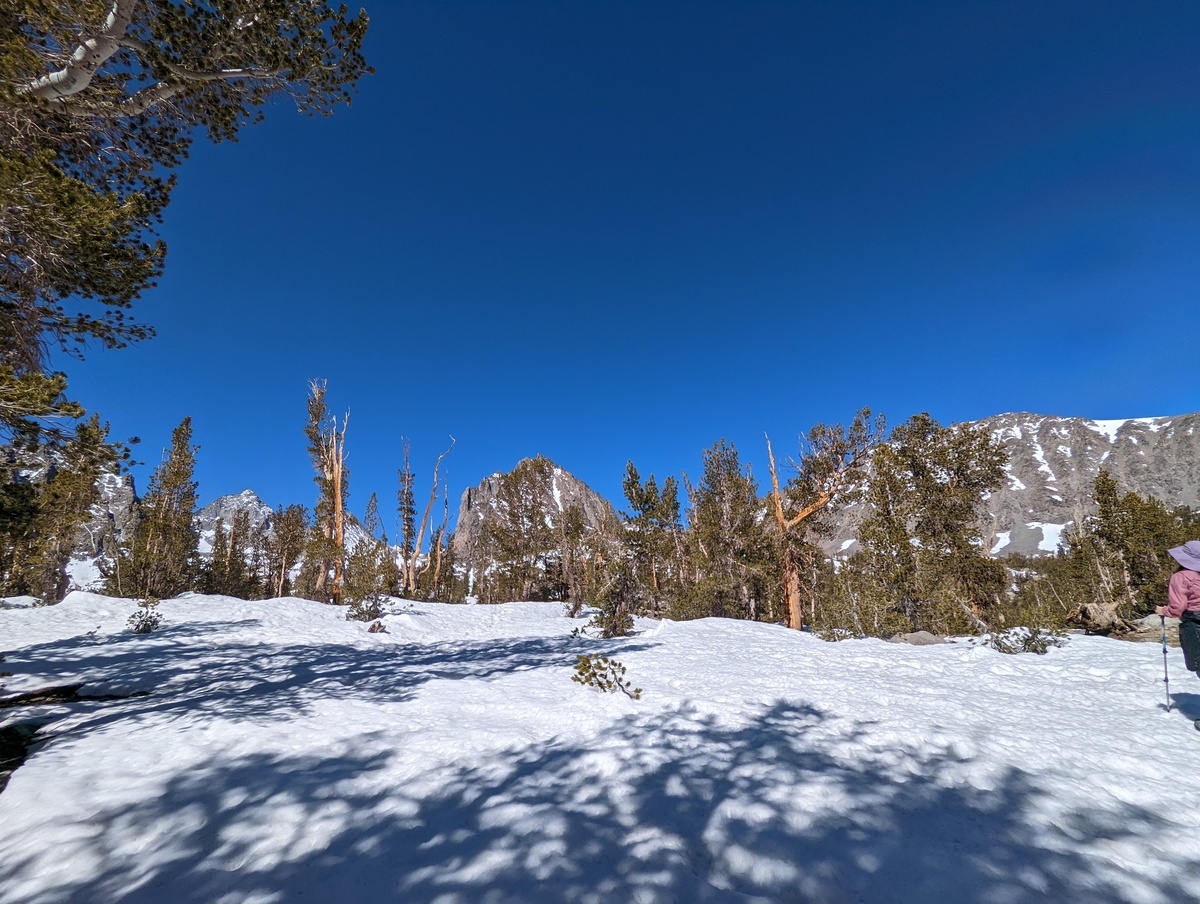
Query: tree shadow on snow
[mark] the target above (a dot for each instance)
(188, 672)
(789, 807)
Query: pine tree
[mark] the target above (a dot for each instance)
(406, 509)
(228, 571)
(730, 552)
(521, 539)
(922, 543)
(1114, 567)
(35, 562)
(98, 102)
(283, 547)
(325, 553)
(826, 475)
(161, 562)
(369, 568)
(653, 537)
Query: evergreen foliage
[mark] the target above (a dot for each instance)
(1114, 567)
(653, 537)
(441, 581)
(39, 525)
(604, 674)
(229, 569)
(98, 103)
(146, 618)
(282, 548)
(923, 563)
(162, 560)
(406, 510)
(324, 553)
(371, 570)
(827, 478)
(731, 556)
(521, 540)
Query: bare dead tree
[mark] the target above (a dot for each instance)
(411, 566)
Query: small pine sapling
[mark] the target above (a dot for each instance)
(366, 610)
(604, 674)
(1026, 640)
(146, 619)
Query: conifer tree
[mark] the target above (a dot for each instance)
(283, 546)
(35, 559)
(325, 553)
(228, 571)
(98, 101)
(161, 561)
(406, 509)
(410, 577)
(653, 537)
(922, 543)
(730, 552)
(370, 568)
(830, 463)
(1114, 567)
(520, 539)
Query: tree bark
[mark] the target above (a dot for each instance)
(92, 53)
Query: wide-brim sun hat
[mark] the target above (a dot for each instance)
(1187, 555)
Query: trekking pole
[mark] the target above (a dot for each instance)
(1166, 674)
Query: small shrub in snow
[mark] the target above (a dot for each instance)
(1026, 640)
(145, 619)
(367, 609)
(604, 674)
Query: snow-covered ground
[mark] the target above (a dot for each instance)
(284, 754)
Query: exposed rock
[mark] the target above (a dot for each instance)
(478, 503)
(918, 639)
(1053, 463)
(225, 509)
(114, 515)
(1052, 467)
(376, 627)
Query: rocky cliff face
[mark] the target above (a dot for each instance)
(564, 490)
(114, 515)
(1052, 467)
(225, 509)
(1053, 463)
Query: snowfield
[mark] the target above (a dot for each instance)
(284, 754)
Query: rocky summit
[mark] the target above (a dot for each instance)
(564, 490)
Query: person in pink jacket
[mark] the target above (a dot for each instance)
(1183, 602)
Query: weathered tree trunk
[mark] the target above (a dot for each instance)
(410, 567)
(792, 592)
(339, 515)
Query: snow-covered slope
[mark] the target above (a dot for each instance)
(285, 754)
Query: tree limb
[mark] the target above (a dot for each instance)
(92, 53)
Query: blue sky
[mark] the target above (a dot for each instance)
(624, 230)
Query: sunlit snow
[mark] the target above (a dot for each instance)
(285, 754)
(1051, 535)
